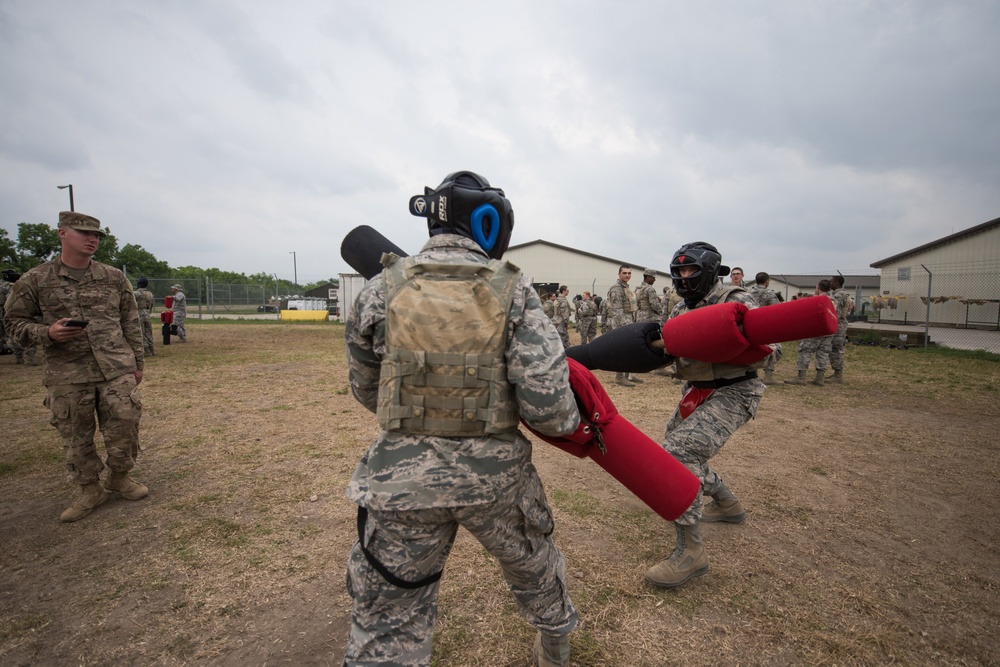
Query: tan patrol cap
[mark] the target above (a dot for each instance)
(176, 287)
(81, 222)
(649, 272)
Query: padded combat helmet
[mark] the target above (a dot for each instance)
(10, 275)
(707, 261)
(466, 205)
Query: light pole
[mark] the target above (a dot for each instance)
(70, 186)
(295, 267)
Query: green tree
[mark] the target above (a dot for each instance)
(107, 249)
(137, 261)
(8, 251)
(36, 243)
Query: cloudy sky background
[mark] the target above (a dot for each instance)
(798, 136)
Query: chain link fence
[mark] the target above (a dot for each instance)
(207, 298)
(951, 304)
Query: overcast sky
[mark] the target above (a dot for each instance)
(797, 136)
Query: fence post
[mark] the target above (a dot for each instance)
(927, 319)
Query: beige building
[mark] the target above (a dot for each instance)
(955, 279)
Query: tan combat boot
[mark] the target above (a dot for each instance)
(92, 495)
(768, 376)
(622, 379)
(633, 378)
(688, 560)
(799, 379)
(725, 507)
(820, 378)
(550, 650)
(129, 489)
(837, 377)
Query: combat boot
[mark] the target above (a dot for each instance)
(800, 379)
(725, 507)
(550, 650)
(129, 489)
(768, 376)
(92, 495)
(688, 560)
(622, 379)
(633, 378)
(837, 377)
(820, 378)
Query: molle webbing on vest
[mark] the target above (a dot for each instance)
(444, 372)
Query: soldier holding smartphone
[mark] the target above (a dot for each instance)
(85, 317)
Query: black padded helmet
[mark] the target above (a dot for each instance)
(707, 261)
(10, 275)
(466, 205)
(143, 282)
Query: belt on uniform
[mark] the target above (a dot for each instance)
(722, 382)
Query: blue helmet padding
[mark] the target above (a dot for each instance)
(485, 211)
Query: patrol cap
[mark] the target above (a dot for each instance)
(649, 272)
(81, 222)
(176, 287)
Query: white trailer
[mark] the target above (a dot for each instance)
(350, 285)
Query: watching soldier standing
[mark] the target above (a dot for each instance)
(144, 300)
(621, 308)
(180, 312)
(85, 316)
(821, 347)
(6, 286)
(561, 317)
(765, 297)
(586, 318)
(845, 306)
(647, 300)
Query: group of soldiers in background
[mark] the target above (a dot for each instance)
(644, 304)
(7, 343)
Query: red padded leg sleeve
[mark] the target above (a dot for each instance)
(792, 320)
(709, 334)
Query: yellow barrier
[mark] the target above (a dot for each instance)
(310, 315)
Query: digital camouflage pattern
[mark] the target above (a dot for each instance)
(845, 306)
(110, 346)
(144, 301)
(179, 309)
(561, 319)
(763, 295)
(419, 488)
(586, 320)
(695, 440)
(621, 305)
(650, 308)
(821, 347)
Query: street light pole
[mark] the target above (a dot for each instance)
(70, 186)
(295, 267)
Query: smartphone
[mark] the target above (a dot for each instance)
(76, 323)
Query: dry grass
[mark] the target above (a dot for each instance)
(871, 537)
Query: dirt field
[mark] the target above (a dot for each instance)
(872, 535)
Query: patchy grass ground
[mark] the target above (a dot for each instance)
(872, 536)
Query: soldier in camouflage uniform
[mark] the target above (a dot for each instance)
(845, 306)
(647, 299)
(144, 300)
(821, 347)
(92, 372)
(586, 318)
(180, 310)
(449, 348)
(765, 297)
(621, 308)
(718, 399)
(561, 317)
(6, 286)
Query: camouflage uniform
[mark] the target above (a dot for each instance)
(94, 372)
(844, 304)
(586, 320)
(180, 314)
(699, 437)
(621, 304)
(561, 319)
(5, 290)
(650, 308)
(549, 307)
(670, 300)
(144, 300)
(765, 297)
(416, 489)
(821, 347)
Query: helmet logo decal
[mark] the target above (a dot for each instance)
(681, 259)
(420, 205)
(443, 208)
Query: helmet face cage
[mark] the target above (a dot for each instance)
(466, 205)
(707, 264)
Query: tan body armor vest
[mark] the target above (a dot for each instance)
(445, 372)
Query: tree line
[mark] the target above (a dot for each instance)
(38, 243)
